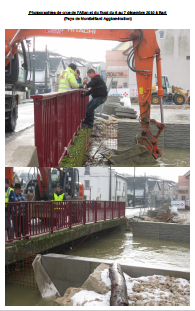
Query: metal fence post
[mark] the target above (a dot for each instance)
(104, 210)
(39, 130)
(26, 220)
(84, 212)
(52, 216)
(95, 211)
(70, 214)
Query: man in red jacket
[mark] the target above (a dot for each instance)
(98, 90)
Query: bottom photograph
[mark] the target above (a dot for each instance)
(97, 236)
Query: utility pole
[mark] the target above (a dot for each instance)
(34, 65)
(163, 190)
(110, 198)
(134, 189)
(46, 70)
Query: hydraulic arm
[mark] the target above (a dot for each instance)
(140, 60)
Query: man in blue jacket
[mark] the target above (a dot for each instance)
(98, 90)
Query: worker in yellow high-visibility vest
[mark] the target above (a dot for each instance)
(9, 197)
(67, 79)
(58, 206)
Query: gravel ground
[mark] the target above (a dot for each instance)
(182, 218)
(158, 290)
(153, 290)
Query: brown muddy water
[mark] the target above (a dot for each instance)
(118, 245)
(170, 157)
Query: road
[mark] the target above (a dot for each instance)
(25, 118)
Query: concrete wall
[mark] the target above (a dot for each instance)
(173, 136)
(73, 271)
(163, 231)
(175, 46)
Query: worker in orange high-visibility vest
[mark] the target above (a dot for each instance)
(58, 206)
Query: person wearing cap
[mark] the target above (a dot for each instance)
(67, 79)
(58, 206)
(20, 211)
(9, 197)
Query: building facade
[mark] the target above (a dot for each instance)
(174, 45)
(184, 187)
(103, 184)
(117, 70)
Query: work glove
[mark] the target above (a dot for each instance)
(82, 95)
(81, 86)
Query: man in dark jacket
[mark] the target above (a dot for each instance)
(98, 90)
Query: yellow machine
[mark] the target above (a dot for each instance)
(173, 93)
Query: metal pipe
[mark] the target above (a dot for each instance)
(161, 110)
(17, 33)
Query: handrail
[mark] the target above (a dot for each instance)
(57, 118)
(26, 219)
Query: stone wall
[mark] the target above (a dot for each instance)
(173, 136)
(163, 231)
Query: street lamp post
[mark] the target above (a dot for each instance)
(134, 189)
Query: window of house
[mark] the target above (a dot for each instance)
(119, 185)
(162, 34)
(124, 187)
(183, 197)
(125, 85)
(87, 184)
(187, 57)
(87, 170)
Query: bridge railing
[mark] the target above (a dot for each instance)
(26, 219)
(57, 117)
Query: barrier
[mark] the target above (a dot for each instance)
(57, 117)
(26, 219)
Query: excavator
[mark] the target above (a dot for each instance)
(9, 173)
(139, 60)
(47, 178)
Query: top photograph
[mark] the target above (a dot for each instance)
(121, 99)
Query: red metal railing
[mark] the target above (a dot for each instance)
(57, 117)
(26, 219)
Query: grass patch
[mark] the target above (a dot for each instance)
(76, 152)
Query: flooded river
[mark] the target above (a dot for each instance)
(118, 245)
(171, 157)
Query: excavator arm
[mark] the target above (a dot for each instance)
(140, 60)
(44, 175)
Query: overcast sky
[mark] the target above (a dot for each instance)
(169, 173)
(91, 50)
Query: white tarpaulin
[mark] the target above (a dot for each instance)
(124, 92)
(45, 285)
(179, 204)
